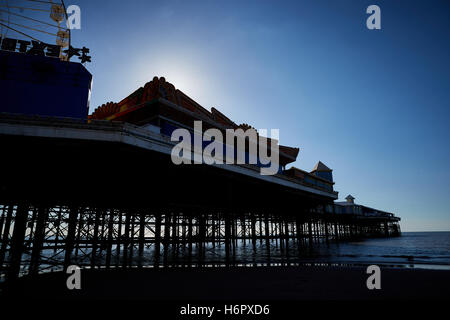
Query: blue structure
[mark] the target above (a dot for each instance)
(40, 85)
(322, 171)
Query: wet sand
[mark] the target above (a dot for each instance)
(239, 284)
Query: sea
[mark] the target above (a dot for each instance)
(430, 250)
(424, 250)
(427, 250)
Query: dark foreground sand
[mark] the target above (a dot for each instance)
(246, 284)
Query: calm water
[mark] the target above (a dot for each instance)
(412, 249)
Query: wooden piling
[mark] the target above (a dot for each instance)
(17, 241)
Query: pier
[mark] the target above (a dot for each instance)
(105, 194)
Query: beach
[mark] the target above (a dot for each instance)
(300, 283)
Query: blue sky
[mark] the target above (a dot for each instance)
(371, 104)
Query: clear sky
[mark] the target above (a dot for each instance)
(371, 104)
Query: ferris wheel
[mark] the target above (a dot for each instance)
(36, 20)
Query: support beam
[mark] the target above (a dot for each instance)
(141, 237)
(70, 238)
(5, 236)
(157, 240)
(39, 236)
(17, 244)
(109, 238)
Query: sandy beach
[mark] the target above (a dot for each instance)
(246, 284)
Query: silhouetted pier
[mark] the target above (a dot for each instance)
(106, 195)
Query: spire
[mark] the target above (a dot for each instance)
(350, 199)
(321, 167)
